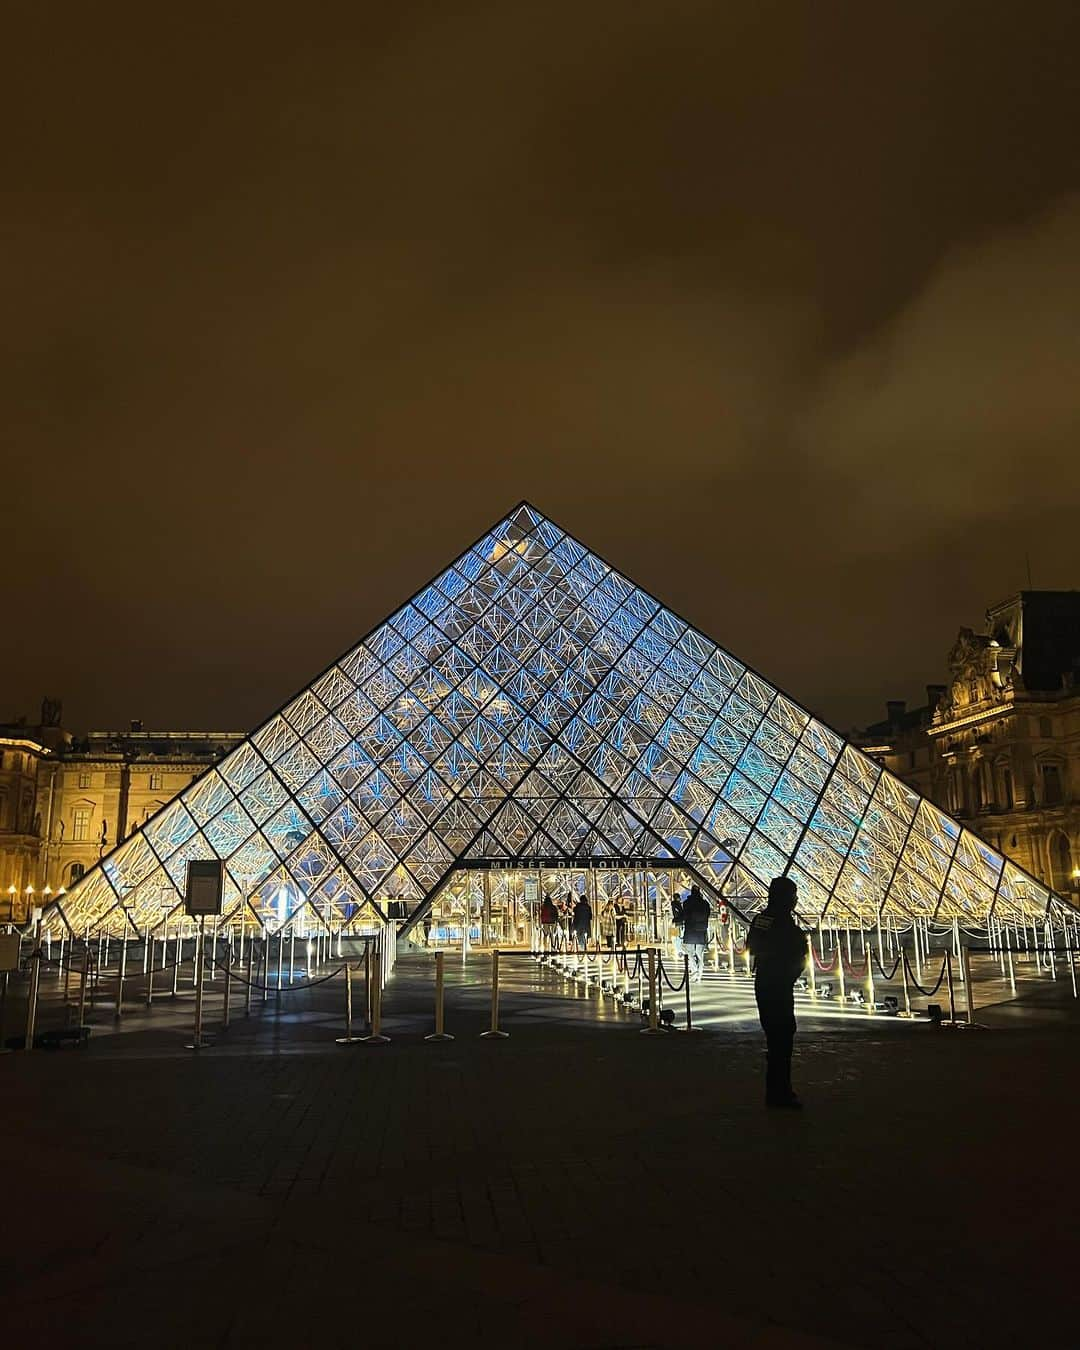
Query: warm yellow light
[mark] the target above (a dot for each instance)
(47, 891)
(29, 890)
(12, 889)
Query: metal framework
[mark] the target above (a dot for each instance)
(531, 702)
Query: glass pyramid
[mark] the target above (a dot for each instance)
(531, 702)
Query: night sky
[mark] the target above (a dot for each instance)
(775, 305)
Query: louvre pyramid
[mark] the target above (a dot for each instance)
(531, 702)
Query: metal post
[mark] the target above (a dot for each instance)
(197, 1042)
(292, 952)
(918, 960)
(903, 976)
(1048, 944)
(731, 949)
(965, 964)
(66, 967)
(32, 997)
(440, 1033)
(348, 1038)
(177, 955)
(228, 983)
(281, 961)
(1009, 958)
(121, 972)
(493, 1032)
(840, 972)
(1070, 956)
(810, 964)
(147, 958)
(83, 981)
(952, 992)
(870, 999)
(686, 986)
(654, 1014)
(150, 971)
(376, 1037)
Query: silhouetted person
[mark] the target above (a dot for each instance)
(622, 914)
(582, 920)
(549, 923)
(695, 913)
(778, 947)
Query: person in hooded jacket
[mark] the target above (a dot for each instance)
(549, 924)
(778, 948)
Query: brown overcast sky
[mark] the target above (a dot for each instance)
(777, 305)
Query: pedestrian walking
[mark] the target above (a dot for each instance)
(695, 912)
(778, 948)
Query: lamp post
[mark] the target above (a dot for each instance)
(13, 891)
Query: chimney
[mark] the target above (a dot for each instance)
(934, 694)
(894, 711)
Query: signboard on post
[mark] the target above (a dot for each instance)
(202, 895)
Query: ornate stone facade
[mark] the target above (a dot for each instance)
(999, 746)
(65, 801)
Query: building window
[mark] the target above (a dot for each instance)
(1060, 864)
(1006, 788)
(1046, 728)
(75, 871)
(155, 782)
(84, 778)
(80, 824)
(1051, 783)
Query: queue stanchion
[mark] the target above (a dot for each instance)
(121, 971)
(348, 1038)
(32, 996)
(870, 996)
(178, 954)
(150, 971)
(228, 984)
(810, 966)
(903, 976)
(493, 1033)
(686, 985)
(84, 979)
(440, 1033)
(969, 993)
(250, 976)
(653, 1028)
(376, 1037)
(952, 993)
(840, 972)
(197, 1042)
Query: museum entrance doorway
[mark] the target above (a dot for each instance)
(498, 904)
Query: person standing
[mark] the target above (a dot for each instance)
(695, 912)
(622, 910)
(582, 921)
(549, 924)
(676, 924)
(778, 948)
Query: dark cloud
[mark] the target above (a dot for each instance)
(772, 303)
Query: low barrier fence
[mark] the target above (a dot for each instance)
(636, 977)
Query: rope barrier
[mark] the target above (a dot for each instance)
(285, 989)
(927, 993)
(887, 974)
(826, 967)
(667, 979)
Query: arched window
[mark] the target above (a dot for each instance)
(1061, 864)
(1006, 780)
(75, 871)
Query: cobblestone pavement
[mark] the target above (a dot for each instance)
(576, 1185)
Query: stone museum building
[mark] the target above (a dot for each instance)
(998, 747)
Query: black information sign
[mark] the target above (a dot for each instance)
(202, 896)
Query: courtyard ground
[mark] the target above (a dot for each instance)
(577, 1185)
